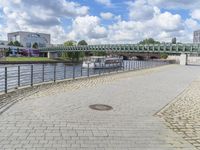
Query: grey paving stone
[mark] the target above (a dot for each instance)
(60, 118)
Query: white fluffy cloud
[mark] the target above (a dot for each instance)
(150, 23)
(192, 24)
(140, 10)
(174, 4)
(105, 2)
(40, 16)
(143, 20)
(195, 14)
(106, 15)
(88, 28)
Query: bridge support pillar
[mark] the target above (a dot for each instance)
(52, 55)
(183, 59)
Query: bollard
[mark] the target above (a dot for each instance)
(6, 80)
(18, 76)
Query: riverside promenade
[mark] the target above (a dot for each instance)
(58, 117)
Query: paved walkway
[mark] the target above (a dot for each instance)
(59, 117)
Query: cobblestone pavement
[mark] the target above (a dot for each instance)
(183, 114)
(59, 117)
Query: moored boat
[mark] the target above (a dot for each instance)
(99, 62)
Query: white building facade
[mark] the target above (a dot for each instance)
(28, 39)
(196, 36)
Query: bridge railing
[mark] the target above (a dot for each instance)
(14, 77)
(156, 48)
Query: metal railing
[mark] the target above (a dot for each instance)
(13, 77)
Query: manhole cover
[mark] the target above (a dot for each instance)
(101, 107)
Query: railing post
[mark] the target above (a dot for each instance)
(31, 75)
(103, 69)
(43, 73)
(134, 64)
(139, 64)
(74, 71)
(123, 65)
(65, 71)
(131, 64)
(81, 70)
(88, 70)
(99, 68)
(6, 80)
(18, 76)
(54, 73)
(109, 68)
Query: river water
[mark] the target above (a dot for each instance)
(22, 76)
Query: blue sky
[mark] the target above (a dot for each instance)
(102, 21)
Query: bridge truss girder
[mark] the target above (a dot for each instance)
(158, 48)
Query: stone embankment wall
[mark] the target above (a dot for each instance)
(191, 59)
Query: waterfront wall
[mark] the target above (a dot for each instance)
(195, 60)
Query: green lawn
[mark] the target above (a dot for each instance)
(27, 59)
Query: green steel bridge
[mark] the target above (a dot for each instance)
(135, 48)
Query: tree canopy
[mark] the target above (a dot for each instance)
(11, 43)
(149, 41)
(72, 55)
(82, 42)
(35, 45)
(70, 43)
(15, 43)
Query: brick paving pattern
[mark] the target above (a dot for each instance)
(59, 117)
(183, 114)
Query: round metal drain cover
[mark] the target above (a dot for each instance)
(100, 107)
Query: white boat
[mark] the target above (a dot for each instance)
(98, 62)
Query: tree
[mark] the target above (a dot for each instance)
(16, 43)
(70, 43)
(99, 53)
(35, 45)
(11, 43)
(163, 55)
(82, 42)
(149, 41)
(70, 55)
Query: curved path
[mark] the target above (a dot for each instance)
(59, 117)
